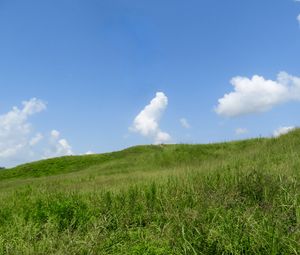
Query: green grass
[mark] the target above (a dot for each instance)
(229, 198)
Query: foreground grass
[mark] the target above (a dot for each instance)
(230, 198)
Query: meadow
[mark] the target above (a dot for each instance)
(240, 197)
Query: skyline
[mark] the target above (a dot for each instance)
(80, 77)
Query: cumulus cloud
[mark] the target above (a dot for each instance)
(241, 131)
(57, 146)
(162, 137)
(258, 94)
(15, 131)
(146, 122)
(283, 130)
(18, 141)
(184, 123)
(298, 17)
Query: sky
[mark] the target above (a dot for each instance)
(80, 77)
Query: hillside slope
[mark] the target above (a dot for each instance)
(228, 198)
(153, 154)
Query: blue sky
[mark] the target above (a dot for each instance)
(87, 69)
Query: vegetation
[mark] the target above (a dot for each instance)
(229, 198)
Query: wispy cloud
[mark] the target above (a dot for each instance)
(184, 122)
(241, 131)
(36, 139)
(146, 122)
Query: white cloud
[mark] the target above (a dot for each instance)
(57, 147)
(89, 153)
(283, 130)
(162, 137)
(241, 131)
(258, 94)
(33, 106)
(298, 17)
(15, 132)
(146, 122)
(18, 142)
(184, 123)
(36, 139)
(64, 148)
(55, 134)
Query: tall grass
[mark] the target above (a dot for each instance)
(234, 198)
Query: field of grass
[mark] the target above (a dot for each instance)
(229, 198)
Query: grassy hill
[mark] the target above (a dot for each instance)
(228, 198)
